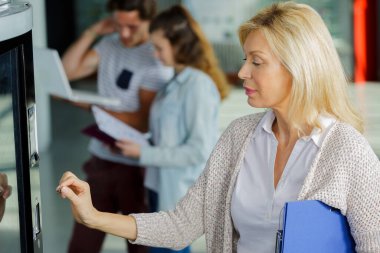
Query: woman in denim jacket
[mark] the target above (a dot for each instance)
(184, 115)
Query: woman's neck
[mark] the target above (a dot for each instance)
(178, 68)
(284, 131)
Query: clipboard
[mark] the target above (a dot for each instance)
(314, 227)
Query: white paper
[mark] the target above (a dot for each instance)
(117, 128)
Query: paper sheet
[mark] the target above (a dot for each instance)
(117, 128)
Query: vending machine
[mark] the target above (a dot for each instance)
(20, 214)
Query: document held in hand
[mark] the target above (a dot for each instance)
(94, 131)
(314, 227)
(116, 128)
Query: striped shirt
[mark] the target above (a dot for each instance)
(122, 72)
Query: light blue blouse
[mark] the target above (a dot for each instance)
(256, 205)
(184, 127)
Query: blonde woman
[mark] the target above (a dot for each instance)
(308, 145)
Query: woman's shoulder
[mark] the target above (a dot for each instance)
(196, 76)
(349, 146)
(245, 123)
(345, 134)
(196, 73)
(248, 119)
(196, 80)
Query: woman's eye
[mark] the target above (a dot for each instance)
(253, 62)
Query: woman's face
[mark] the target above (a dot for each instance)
(266, 81)
(162, 48)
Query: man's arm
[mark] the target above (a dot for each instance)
(80, 60)
(139, 118)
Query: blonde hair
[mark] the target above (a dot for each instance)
(190, 44)
(298, 37)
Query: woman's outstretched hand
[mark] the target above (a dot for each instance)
(78, 192)
(5, 189)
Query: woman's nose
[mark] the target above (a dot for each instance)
(244, 72)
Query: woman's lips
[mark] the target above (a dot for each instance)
(249, 91)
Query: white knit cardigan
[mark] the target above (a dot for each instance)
(345, 174)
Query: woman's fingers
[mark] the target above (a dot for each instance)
(66, 192)
(124, 142)
(120, 144)
(124, 146)
(3, 179)
(7, 192)
(66, 175)
(79, 195)
(69, 180)
(5, 189)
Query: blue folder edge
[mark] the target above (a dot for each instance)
(312, 226)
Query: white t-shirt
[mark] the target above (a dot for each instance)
(122, 72)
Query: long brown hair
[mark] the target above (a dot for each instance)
(190, 44)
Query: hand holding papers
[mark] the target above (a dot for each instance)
(116, 128)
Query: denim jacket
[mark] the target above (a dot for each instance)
(184, 127)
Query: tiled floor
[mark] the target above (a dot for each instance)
(68, 152)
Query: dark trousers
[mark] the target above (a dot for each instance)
(114, 188)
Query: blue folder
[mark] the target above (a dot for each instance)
(313, 227)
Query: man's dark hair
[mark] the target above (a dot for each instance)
(146, 8)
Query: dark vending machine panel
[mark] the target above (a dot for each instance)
(20, 217)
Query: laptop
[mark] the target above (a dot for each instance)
(49, 72)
